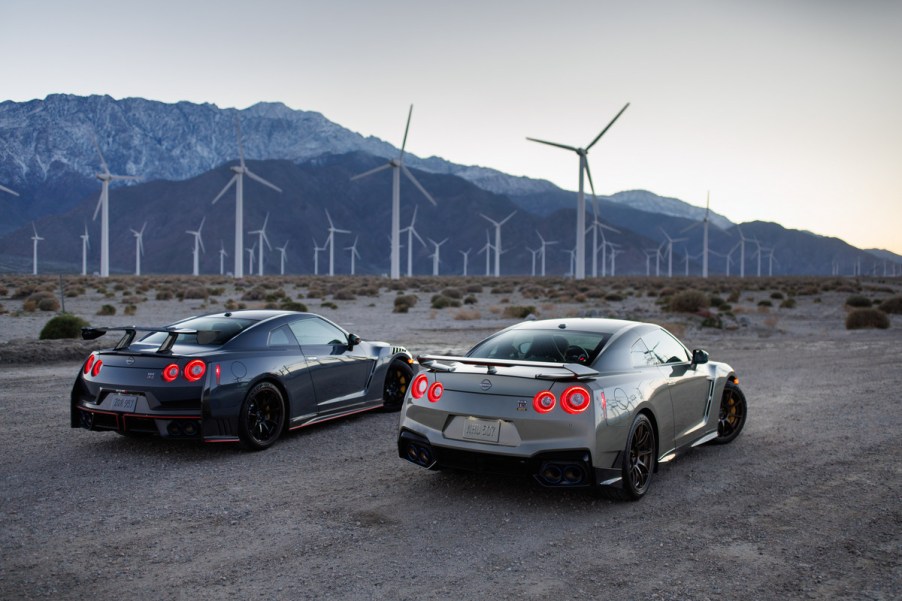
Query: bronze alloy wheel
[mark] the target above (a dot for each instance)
(396, 382)
(732, 414)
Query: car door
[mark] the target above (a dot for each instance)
(688, 385)
(294, 371)
(339, 371)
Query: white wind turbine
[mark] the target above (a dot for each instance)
(35, 240)
(354, 253)
(466, 254)
(283, 257)
(487, 249)
(222, 255)
(435, 255)
(139, 247)
(331, 242)
(598, 228)
(580, 252)
(240, 171)
(84, 251)
(262, 238)
(704, 224)
(669, 243)
(316, 251)
(198, 246)
(742, 241)
(534, 252)
(397, 165)
(497, 245)
(250, 260)
(572, 261)
(544, 244)
(411, 233)
(103, 206)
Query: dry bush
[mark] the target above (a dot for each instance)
(858, 319)
(344, 295)
(858, 301)
(106, 310)
(404, 302)
(688, 301)
(518, 311)
(130, 309)
(892, 305)
(467, 315)
(440, 301)
(164, 294)
(63, 326)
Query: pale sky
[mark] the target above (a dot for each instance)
(787, 111)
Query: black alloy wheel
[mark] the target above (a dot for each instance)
(262, 417)
(638, 458)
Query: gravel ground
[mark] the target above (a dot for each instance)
(805, 504)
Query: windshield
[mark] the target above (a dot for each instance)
(555, 346)
(226, 328)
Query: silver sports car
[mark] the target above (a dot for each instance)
(574, 402)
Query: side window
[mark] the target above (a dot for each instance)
(640, 356)
(281, 336)
(665, 348)
(314, 331)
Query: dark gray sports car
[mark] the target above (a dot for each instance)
(241, 376)
(573, 402)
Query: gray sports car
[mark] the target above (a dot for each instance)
(239, 376)
(574, 402)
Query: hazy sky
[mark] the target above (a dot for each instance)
(787, 111)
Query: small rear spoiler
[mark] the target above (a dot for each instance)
(580, 372)
(203, 337)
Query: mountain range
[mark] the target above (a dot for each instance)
(182, 153)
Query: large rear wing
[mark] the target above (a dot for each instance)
(203, 337)
(566, 371)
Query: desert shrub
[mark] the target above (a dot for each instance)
(688, 301)
(858, 301)
(232, 305)
(858, 319)
(470, 300)
(519, 311)
(165, 294)
(257, 293)
(130, 309)
(765, 303)
(65, 325)
(892, 305)
(613, 297)
(440, 301)
(193, 292)
(467, 315)
(404, 302)
(474, 288)
(734, 296)
(106, 310)
(49, 303)
(777, 295)
(74, 291)
(452, 293)
(345, 295)
(789, 303)
(329, 305)
(290, 305)
(4, 290)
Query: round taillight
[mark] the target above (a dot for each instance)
(436, 391)
(544, 401)
(171, 372)
(575, 399)
(89, 363)
(195, 370)
(95, 369)
(419, 386)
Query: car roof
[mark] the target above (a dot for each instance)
(586, 324)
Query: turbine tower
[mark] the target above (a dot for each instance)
(283, 257)
(84, 251)
(498, 250)
(411, 232)
(222, 255)
(103, 206)
(704, 224)
(486, 249)
(35, 239)
(580, 251)
(250, 260)
(331, 242)
(261, 233)
(669, 243)
(139, 247)
(240, 171)
(435, 255)
(466, 255)
(597, 228)
(397, 165)
(354, 253)
(544, 244)
(198, 246)
(316, 251)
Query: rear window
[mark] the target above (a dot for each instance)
(226, 328)
(556, 346)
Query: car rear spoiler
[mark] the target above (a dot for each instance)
(203, 337)
(574, 370)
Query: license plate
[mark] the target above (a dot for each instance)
(482, 430)
(122, 402)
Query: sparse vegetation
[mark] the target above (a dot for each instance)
(858, 319)
(688, 301)
(64, 325)
(518, 311)
(404, 302)
(892, 305)
(106, 310)
(858, 301)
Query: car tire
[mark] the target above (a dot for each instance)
(638, 463)
(397, 380)
(262, 417)
(731, 418)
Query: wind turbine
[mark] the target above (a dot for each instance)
(84, 251)
(198, 246)
(7, 190)
(669, 242)
(466, 255)
(597, 227)
(411, 232)
(397, 165)
(262, 238)
(222, 255)
(435, 255)
(544, 244)
(572, 261)
(580, 251)
(331, 242)
(103, 206)
(240, 171)
(139, 247)
(704, 224)
(354, 253)
(648, 254)
(498, 250)
(486, 249)
(316, 251)
(534, 252)
(742, 241)
(250, 260)
(283, 257)
(35, 239)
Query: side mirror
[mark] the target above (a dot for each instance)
(699, 356)
(353, 340)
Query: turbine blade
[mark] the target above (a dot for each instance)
(598, 137)
(240, 145)
(256, 177)
(8, 191)
(418, 185)
(97, 209)
(372, 171)
(417, 236)
(406, 129)
(591, 184)
(227, 186)
(505, 220)
(106, 169)
(564, 146)
(119, 177)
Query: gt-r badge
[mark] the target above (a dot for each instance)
(485, 384)
(521, 405)
(150, 375)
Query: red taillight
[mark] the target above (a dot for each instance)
(544, 402)
(88, 364)
(195, 370)
(95, 369)
(436, 391)
(170, 372)
(575, 400)
(419, 386)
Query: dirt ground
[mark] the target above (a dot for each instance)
(805, 504)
